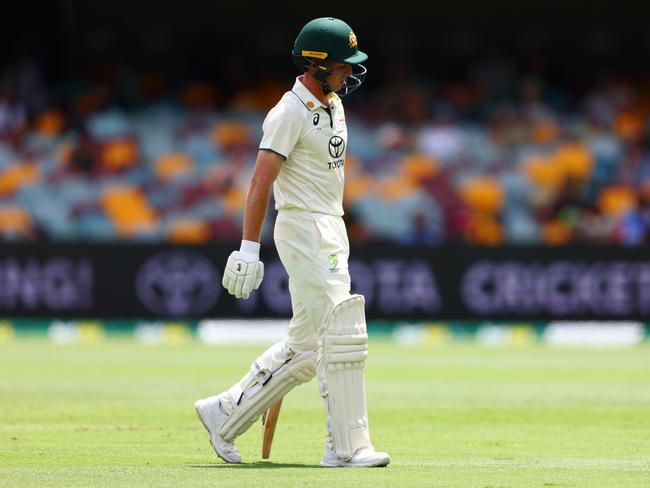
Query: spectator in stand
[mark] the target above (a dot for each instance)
(13, 116)
(422, 232)
(86, 153)
(559, 146)
(30, 87)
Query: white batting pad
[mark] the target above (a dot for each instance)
(344, 349)
(267, 383)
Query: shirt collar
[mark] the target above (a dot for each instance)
(305, 96)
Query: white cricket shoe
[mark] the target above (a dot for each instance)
(212, 416)
(366, 457)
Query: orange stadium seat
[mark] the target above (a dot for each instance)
(228, 134)
(17, 175)
(483, 195)
(15, 221)
(615, 200)
(395, 188)
(358, 187)
(64, 154)
(417, 167)
(629, 124)
(484, 230)
(233, 200)
(544, 132)
(189, 231)
(129, 210)
(262, 98)
(172, 165)
(576, 160)
(556, 233)
(50, 123)
(119, 154)
(544, 172)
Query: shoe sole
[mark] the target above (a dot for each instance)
(340, 464)
(198, 413)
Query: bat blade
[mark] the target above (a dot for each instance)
(269, 421)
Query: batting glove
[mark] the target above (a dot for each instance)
(244, 270)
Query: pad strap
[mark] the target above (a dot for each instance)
(269, 387)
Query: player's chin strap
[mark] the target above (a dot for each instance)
(322, 72)
(351, 83)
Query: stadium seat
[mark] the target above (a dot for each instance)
(128, 210)
(15, 222)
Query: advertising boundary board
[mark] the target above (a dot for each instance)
(399, 283)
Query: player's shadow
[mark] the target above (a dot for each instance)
(257, 465)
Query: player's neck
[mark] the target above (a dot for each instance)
(314, 87)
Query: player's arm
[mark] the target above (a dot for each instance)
(266, 170)
(244, 270)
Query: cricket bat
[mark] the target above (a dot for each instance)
(269, 420)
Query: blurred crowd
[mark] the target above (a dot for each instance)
(493, 156)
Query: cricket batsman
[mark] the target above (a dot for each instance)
(302, 156)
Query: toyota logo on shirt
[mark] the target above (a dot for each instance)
(336, 146)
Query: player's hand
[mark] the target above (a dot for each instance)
(244, 270)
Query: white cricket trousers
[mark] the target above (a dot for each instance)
(314, 250)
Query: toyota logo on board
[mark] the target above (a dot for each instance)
(178, 283)
(336, 146)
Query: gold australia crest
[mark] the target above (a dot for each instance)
(353, 39)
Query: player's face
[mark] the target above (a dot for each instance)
(341, 71)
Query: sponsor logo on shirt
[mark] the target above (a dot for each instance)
(336, 164)
(336, 146)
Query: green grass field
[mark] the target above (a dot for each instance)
(121, 414)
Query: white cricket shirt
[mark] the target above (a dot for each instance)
(313, 143)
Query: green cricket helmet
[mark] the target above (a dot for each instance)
(324, 39)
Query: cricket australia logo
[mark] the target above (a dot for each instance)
(334, 261)
(336, 146)
(352, 38)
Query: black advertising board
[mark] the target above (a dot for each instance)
(505, 283)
